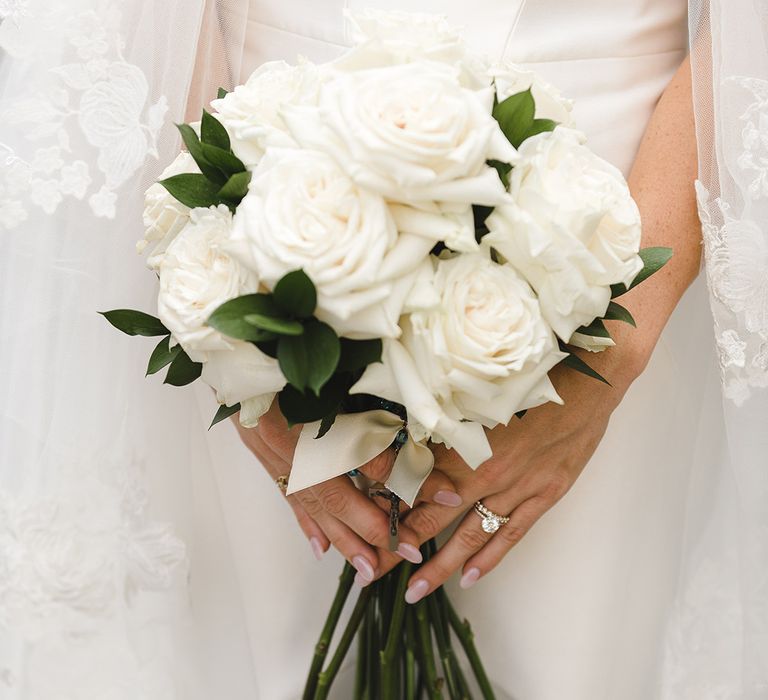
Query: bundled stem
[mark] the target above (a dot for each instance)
(346, 579)
(326, 678)
(396, 643)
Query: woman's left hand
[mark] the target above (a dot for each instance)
(535, 461)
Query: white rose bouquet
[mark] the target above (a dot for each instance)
(404, 241)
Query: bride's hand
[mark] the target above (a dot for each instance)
(535, 461)
(336, 512)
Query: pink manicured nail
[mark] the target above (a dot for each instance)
(416, 591)
(360, 582)
(447, 498)
(470, 577)
(409, 552)
(363, 567)
(317, 548)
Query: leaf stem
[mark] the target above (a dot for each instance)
(321, 648)
(325, 678)
(466, 637)
(389, 665)
(434, 685)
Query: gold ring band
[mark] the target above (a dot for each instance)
(282, 483)
(491, 521)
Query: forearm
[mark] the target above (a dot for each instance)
(662, 183)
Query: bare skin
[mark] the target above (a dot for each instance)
(538, 459)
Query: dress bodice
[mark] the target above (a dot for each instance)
(613, 58)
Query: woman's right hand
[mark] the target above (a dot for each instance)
(336, 512)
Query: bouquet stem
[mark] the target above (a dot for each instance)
(398, 644)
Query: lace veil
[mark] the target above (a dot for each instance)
(96, 599)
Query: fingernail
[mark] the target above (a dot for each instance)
(409, 552)
(317, 548)
(447, 498)
(363, 567)
(470, 577)
(416, 591)
(360, 582)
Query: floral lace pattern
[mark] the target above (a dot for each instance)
(736, 249)
(91, 101)
(80, 552)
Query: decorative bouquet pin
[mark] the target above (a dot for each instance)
(398, 246)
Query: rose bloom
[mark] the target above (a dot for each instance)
(481, 353)
(386, 38)
(164, 215)
(572, 230)
(303, 212)
(510, 79)
(197, 276)
(412, 134)
(252, 113)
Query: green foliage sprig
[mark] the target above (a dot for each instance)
(319, 366)
(223, 177)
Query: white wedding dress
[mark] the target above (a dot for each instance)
(578, 610)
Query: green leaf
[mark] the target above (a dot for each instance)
(183, 371)
(194, 147)
(327, 422)
(541, 126)
(295, 294)
(226, 161)
(236, 187)
(162, 355)
(298, 407)
(653, 260)
(135, 322)
(575, 362)
(616, 312)
(310, 359)
(279, 326)
(503, 169)
(223, 413)
(268, 347)
(515, 116)
(229, 318)
(595, 329)
(358, 354)
(192, 189)
(212, 132)
(222, 93)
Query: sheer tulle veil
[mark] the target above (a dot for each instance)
(110, 524)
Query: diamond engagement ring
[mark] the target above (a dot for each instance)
(282, 483)
(491, 521)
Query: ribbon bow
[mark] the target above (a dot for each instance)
(353, 440)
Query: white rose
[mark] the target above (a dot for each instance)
(197, 275)
(511, 79)
(411, 133)
(385, 38)
(572, 231)
(252, 112)
(243, 374)
(303, 212)
(164, 215)
(482, 354)
(251, 410)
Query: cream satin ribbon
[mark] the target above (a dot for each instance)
(353, 440)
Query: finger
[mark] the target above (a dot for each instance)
(341, 499)
(468, 539)
(438, 488)
(521, 520)
(356, 551)
(276, 466)
(318, 541)
(427, 520)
